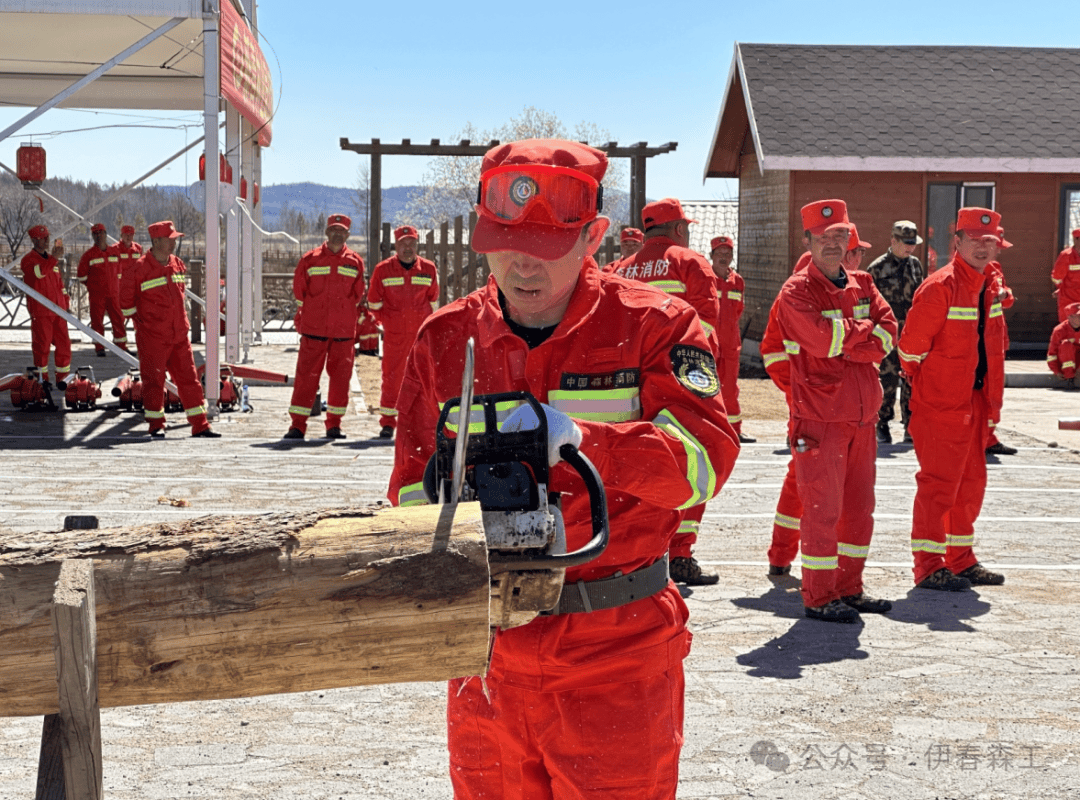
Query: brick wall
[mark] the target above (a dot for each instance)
(764, 261)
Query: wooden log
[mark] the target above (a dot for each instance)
(75, 645)
(243, 606)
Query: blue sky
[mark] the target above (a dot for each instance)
(646, 71)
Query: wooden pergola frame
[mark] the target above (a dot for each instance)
(637, 153)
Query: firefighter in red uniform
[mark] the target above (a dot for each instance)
(1005, 299)
(836, 328)
(729, 291)
(127, 250)
(41, 272)
(367, 333)
(666, 262)
(586, 701)
(1066, 275)
(952, 353)
(1064, 349)
(631, 241)
(152, 292)
(404, 291)
(786, 523)
(329, 288)
(99, 272)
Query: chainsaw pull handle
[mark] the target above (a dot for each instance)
(598, 513)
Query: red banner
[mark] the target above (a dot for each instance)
(245, 77)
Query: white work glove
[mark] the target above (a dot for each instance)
(561, 428)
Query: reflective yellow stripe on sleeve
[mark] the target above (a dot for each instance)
(916, 357)
(671, 287)
(772, 358)
(886, 338)
(963, 312)
(412, 495)
(611, 405)
(836, 344)
(699, 470)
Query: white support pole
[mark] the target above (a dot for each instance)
(257, 244)
(247, 255)
(211, 107)
(90, 77)
(232, 239)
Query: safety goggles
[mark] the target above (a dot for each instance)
(511, 194)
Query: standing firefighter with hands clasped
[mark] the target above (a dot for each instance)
(587, 700)
(836, 329)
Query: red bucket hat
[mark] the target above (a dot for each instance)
(978, 223)
(631, 235)
(667, 210)
(38, 232)
(721, 241)
(536, 235)
(824, 215)
(164, 230)
(404, 232)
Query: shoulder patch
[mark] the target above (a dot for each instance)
(695, 369)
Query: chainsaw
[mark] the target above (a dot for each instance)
(508, 473)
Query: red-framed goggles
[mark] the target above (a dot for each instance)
(513, 193)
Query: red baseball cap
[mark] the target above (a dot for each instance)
(855, 241)
(1072, 308)
(97, 227)
(338, 221)
(533, 236)
(404, 232)
(1003, 243)
(978, 223)
(721, 241)
(631, 235)
(127, 229)
(38, 232)
(164, 230)
(824, 215)
(667, 210)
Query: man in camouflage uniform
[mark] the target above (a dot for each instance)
(897, 275)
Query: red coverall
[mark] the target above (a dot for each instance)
(153, 293)
(683, 273)
(1066, 278)
(99, 271)
(997, 310)
(837, 339)
(401, 299)
(42, 274)
(1063, 352)
(367, 332)
(729, 338)
(589, 704)
(329, 291)
(789, 510)
(939, 353)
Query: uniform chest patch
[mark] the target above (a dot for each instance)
(695, 369)
(617, 379)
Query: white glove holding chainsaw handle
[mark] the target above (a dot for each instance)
(561, 428)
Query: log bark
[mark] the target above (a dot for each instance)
(242, 606)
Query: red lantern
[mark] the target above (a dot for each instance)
(243, 188)
(30, 165)
(255, 194)
(225, 169)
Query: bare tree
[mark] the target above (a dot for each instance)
(450, 181)
(361, 199)
(19, 211)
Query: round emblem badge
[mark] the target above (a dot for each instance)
(523, 189)
(826, 212)
(985, 219)
(695, 369)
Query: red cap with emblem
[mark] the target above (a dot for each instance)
(721, 241)
(405, 232)
(164, 230)
(822, 215)
(544, 228)
(978, 223)
(38, 232)
(667, 210)
(855, 241)
(97, 227)
(338, 221)
(1003, 243)
(631, 235)
(127, 229)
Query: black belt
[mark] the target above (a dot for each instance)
(618, 590)
(327, 338)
